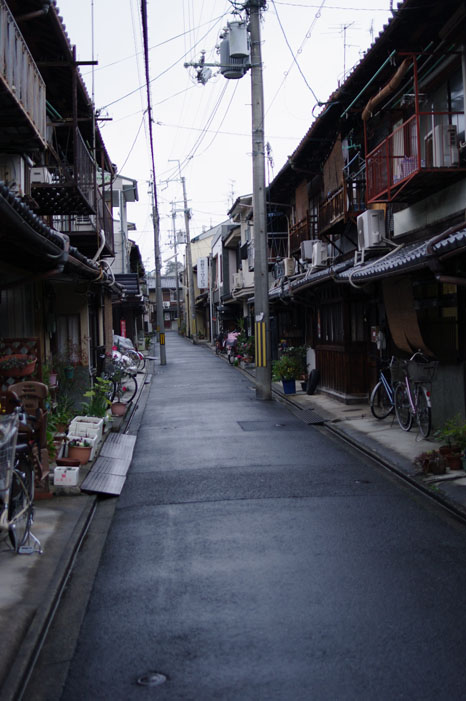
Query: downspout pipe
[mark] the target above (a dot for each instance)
(388, 89)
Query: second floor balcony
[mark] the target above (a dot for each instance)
(304, 230)
(68, 184)
(84, 230)
(348, 200)
(22, 90)
(420, 156)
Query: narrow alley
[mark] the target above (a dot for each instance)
(254, 557)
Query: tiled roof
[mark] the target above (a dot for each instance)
(397, 261)
(409, 257)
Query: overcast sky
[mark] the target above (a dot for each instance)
(307, 46)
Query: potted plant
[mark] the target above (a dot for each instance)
(453, 436)
(430, 461)
(99, 402)
(80, 449)
(17, 365)
(286, 369)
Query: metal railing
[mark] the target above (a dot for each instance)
(424, 142)
(19, 73)
(304, 230)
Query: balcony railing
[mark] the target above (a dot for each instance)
(303, 230)
(349, 199)
(20, 76)
(277, 246)
(425, 143)
(71, 188)
(83, 229)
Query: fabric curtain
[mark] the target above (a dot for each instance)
(401, 314)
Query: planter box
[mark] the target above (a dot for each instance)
(66, 476)
(87, 426)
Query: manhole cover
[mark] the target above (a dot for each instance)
(152, 679)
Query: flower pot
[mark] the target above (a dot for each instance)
(118, 408)
(289, 386)
(68, 462)
(454, 462)
(17, 365)
(81, 453)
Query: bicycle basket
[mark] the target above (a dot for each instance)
(397, 370)
(8, 435)
(422, 372)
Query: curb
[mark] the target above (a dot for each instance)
(25, 656)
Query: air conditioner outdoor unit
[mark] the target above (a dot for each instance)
(237, 280)
(445, 147)
(371, 228)
(288, 265)
(12, 173)
(319, 254)
(248, 278)
(306, 250)
(40, 174)
(166, 305)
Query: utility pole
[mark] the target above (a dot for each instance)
(234, 64)
(261, 267)
(189, 262)
(178, 313)
(158, 278)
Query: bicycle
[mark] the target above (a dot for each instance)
(412, 397)
(138, 360)
(16, 487)
(122, 376)
(382, 400)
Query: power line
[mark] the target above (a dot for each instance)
(175, 63)
(307, 36)
(157, 46)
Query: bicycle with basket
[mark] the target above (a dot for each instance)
(412, 380)
(16, 485)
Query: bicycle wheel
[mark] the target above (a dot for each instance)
(138, 360)
(20, 506)
(423, 413)
(126, 389)
(380, 403)
(402, 407)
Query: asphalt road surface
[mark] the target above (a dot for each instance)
(253, 557)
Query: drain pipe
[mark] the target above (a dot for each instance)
(101, 247)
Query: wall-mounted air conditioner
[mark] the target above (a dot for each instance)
(371, 228)
(445, 146)
(289, 266)
(319, 254)
(306, 250)
(248, 278)
(40, 174)
(237, 280)
(13, 173)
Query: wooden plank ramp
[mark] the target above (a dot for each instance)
(108, 473)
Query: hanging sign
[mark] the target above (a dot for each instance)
(202, 273)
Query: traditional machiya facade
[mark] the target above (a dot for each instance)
(375, 196)
(55, 199)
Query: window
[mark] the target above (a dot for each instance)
(331, 323)
(69, 338)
